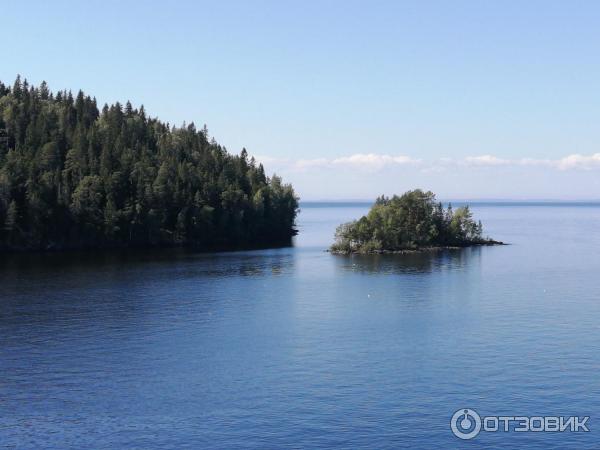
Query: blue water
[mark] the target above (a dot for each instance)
(298, 348)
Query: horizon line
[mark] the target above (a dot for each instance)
(462, 200)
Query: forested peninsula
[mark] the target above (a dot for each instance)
(411, 222)
(73, 176)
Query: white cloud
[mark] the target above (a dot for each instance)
(486, 160)
(363, 161)
(575, 161)
(374, 162)
(579, 162)
(311, 163)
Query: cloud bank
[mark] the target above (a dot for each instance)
(374, 162)
(366, 161)
(574, 161)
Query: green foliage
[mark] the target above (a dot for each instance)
(411, 221)
(73, 176)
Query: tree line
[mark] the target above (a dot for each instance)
(75, 176)
(411, 221)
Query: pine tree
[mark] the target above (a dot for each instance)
(10, 223)
(71, 175)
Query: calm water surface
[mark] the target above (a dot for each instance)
(297, 348)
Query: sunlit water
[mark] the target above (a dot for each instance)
(298, 348)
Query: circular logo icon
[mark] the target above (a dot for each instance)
(465, 423)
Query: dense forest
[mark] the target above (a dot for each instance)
(409, 222)
(74, 176)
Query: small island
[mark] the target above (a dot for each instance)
(414, 221)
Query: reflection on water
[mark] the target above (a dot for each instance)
(186, 263)
(410, 263)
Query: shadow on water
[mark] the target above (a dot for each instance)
(111, 289)
(36, 275)
(411, 263)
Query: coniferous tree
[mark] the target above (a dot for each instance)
(73, 176)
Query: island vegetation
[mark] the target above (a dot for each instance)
(76, 176)
(412, 221)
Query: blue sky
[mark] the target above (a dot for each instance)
(347, 99)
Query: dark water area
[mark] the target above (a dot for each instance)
(297, 348)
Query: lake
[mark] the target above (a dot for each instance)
(298, 348)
